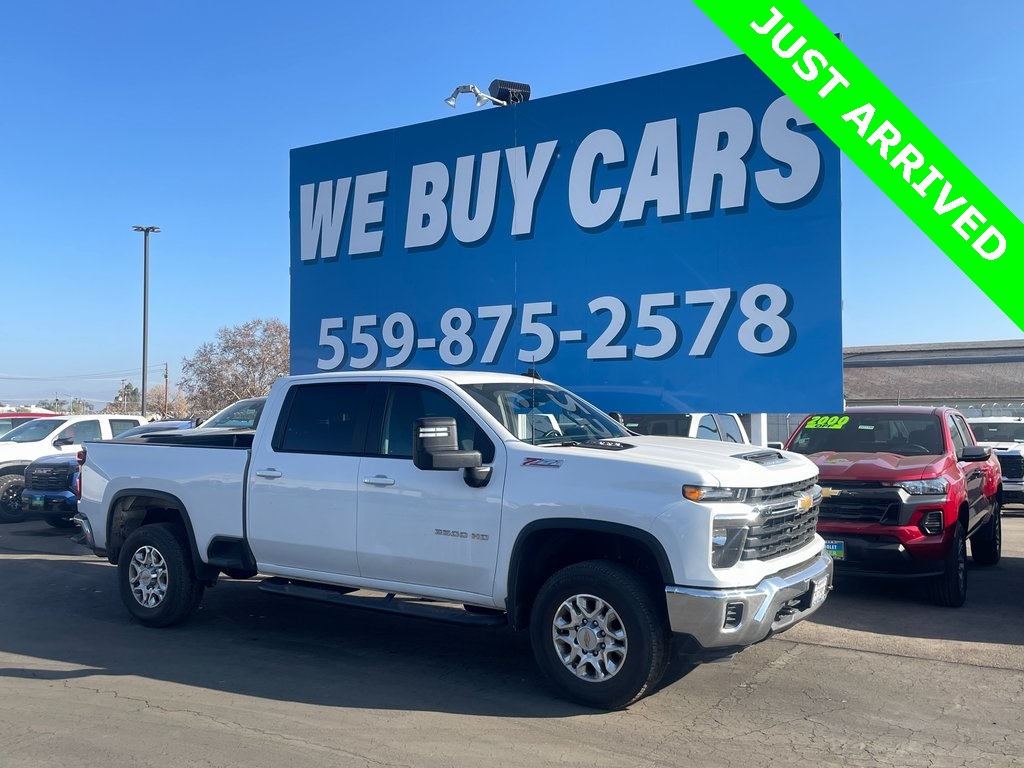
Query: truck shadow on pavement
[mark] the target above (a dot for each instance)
(66, 611)
(993, 613)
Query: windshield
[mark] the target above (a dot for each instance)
(32, 431)
(244, 413)
(902, 434)
(998, 431)
(544, 413)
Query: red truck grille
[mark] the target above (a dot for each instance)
(860, 502)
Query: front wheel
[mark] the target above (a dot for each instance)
(155, 576)
(951, 586)
(987, 543)
(599, 635)
(11, 487)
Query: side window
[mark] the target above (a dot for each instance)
(117, 426)
(965, 430)
(954, 433)
(707, 429)
(81, 431)
(324, 418)
(730, 428)
(408, 402)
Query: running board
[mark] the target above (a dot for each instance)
(387, 604)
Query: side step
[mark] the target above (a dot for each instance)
(388, 604)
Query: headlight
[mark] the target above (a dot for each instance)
(935, 486)
(704, 493)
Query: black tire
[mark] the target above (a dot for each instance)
(618, 600)
(951, 587)
(61, 522)
(987, 543)
(155, 563)
(11, 486)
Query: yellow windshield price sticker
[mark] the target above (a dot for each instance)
(826, 422)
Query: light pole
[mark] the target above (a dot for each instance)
(145, 306)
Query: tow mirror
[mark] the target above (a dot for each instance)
(435, 446)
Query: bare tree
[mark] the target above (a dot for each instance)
(243, 362)
(176, 407)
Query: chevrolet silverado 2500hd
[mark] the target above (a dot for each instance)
(497, 498)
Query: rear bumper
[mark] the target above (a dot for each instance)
(720, 618)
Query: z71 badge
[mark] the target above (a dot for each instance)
(534, 462)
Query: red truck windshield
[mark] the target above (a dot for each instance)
(902, 434)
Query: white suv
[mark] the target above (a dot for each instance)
(43, 437)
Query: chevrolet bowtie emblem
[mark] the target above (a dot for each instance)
(828, 492)
(804, 502)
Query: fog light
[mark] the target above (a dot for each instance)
(931, 523)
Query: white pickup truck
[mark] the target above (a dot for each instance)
(479, 498)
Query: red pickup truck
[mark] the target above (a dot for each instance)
(903, 490)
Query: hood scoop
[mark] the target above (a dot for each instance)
(764, 458)
(607, 445)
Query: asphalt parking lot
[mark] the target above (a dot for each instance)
(879, 677)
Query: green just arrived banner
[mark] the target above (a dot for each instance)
(878, 133)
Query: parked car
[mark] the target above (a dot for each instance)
(51, 483)
(245, 414)
(9, 421)
(724, 427)
(903, 490)
(1005, 436)
(42, 437)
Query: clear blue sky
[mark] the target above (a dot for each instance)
(181, 114)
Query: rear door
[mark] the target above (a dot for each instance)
(302, 482)
(427, 528)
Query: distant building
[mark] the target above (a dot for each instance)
(981, 378)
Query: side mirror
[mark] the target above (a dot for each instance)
(435, 445)
(60, 442)
(974, 453)
(775, 444)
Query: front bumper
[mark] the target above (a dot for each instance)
(49, 503)
(1013, 491)
(721, 618)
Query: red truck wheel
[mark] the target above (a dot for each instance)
(951, 586)
(987, 543)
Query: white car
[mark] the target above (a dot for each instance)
(43, 437)
(1005, 436)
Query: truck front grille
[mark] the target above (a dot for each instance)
(1012, 464)
(47, 479)
(784, 526)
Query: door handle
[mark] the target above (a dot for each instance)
(378, 480)
(270, 474)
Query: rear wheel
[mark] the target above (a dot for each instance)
(599, 635)
(987, 543)
(155, 576)
(11, 487)
(951, 587)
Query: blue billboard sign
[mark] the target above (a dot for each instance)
(660, 245)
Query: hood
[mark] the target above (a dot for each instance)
(1004, 447)
(833, 465)
(701, 462)
(60, 459)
